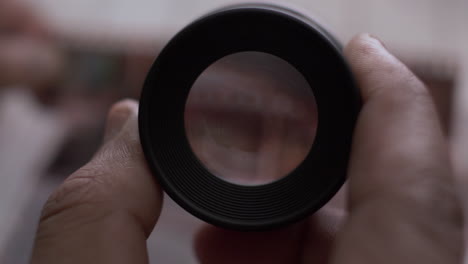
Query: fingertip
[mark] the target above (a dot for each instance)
(118, 115)
(378, 70)
(365, 54)
(123, 109)
(363, 44)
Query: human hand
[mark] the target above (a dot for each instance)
(402, 203)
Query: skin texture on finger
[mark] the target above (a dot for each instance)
(403, 205)
(309, 241)
(104, 212)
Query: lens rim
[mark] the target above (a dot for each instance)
(263, 28)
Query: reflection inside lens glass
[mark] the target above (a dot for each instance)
(251, 118)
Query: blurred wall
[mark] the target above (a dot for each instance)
(421, 26)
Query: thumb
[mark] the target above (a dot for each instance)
(103, 212)
(403, 204)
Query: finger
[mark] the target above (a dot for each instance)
(403, 208)
(118, 116)
(103, 212)
(305, 242)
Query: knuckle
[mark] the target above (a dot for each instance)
(83, 188)
(122, 154)
(409, 85)
(404, 93)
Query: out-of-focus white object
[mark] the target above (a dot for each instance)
(29, 138)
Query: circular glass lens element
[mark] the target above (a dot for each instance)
(251, 118)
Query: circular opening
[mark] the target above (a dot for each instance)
(251, 118)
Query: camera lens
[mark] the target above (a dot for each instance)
(247, 115)
(251, 118)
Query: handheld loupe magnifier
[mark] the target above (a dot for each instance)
(247, 115)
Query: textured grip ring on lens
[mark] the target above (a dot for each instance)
(263, 28)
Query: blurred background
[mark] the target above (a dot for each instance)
(64, 62)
